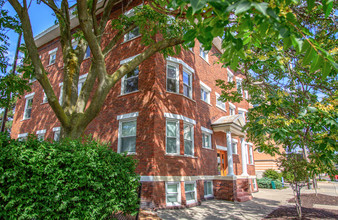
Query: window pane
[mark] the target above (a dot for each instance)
(171, 129)
(128, 144)
(186, 78)
(172, 188)
(56, 136)
(28, 113)
(131, 85)
(29, 103)
(206, 188)
(172, 198)
(186, 91)
(188, 147)
(129, 128)
(171, 72)
(135, 72)
(171, 85)
(190, 196)
(187, 132)
(171, 145)
(189, 187)
(87, 54)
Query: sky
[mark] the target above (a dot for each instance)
(41, 19)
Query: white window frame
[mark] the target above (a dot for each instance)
(204, 54)
(177, 76)
(217, 105)
(128, 38)
(129, 14)
(51, 54)
(61, 93)
(251, 162)
(126, 118)
(246, 94)
(230, 75)
(124, 78)
(243, 111)
(44, 99)
(212, 189)
(207, 90)
(178, 194)
(239, 81)
(177, 136)
(192, 138)
(234, 149)
(254, 183)
(232, 109)
(56, 130)
(185, 70)
(41, 133)
(22, 137)
(195, 192)
(206, 132)
(28, 97)
(82, 80)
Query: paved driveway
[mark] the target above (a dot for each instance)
(264, 202)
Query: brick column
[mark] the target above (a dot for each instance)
(244, 163)
(230, 159)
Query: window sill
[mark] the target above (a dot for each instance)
(207, 148)
(208, 196)
(206, 102)
(130, 39)
(51, 64)
(174, 204)
(128, 93)
(175, 93)
(191, 202)
(179, 155)
(25, 119)
(221, 108)
(42, 103)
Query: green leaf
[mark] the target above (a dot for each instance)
(310, 4)
(287, 43)
(190, 35)
(261, 7)
(296, 43)
(316, 64)
(197, 4)
(326, 69)
(242, 6)
(329, 6)
(284, 32)
(310, 55)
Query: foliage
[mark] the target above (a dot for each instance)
(265, 183)
(272, 174)
(64, 180)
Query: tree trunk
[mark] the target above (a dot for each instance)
(298, 201)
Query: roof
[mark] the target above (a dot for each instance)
(232, 123)
(231, 119)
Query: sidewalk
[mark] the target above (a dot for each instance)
(264, 202)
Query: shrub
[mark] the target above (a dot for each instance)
(272, 174)
(266, 183)
(63, 180)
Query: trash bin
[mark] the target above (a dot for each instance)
(273, 184)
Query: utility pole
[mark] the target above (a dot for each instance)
(4, 118)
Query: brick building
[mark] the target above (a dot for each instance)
(265, 161)
(189, 145)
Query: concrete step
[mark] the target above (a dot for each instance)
(241, 194)
(244, 198)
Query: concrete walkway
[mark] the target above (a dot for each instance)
(264, 202)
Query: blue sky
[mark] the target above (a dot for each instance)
(41, 18)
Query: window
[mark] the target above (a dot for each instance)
(61, 93)
(187, 83)
(132, 34)
(190, 192)
(44, 100)
(242, 112)
(173, 137)
(205, 92)
(246, 94)
(188, 139)
(130, 82)
(28, 106)
(239, 86)
(173, 193)
(52, 56)
(251, 155)
(57, 133)
(172, 78)
(82, 80)
(206, 140)
(87, 53)
(22, 137)
(232, 108)
(234, 146)
(230, 75)
(127, 136)
(208, 189)
(204, 54)
(219, 103)
(41, 135)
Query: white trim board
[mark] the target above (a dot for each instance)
(41, 131)
(127, 116)
(242, 109)
(128, 59)
(232, 105)
(206, 130)
(180, 117)
(205, 86)
(30, 95)
(219, 147)
(56, 129)
(22, 135)
(179, 61)
(53, 51)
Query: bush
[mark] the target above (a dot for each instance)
(272, 174)
(63, 180)
(266, 183)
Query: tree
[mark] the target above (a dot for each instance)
(239, 23)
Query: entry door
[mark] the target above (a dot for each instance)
(221, 159)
